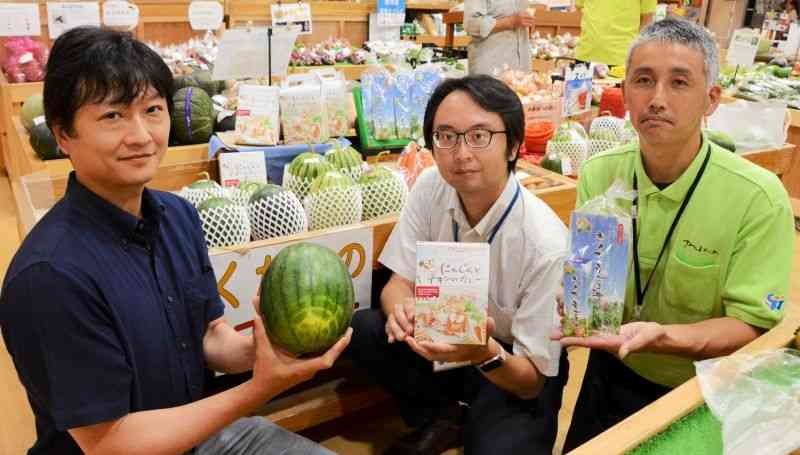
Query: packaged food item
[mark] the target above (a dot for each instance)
(426, 79)
(380, 103)
(403, 104)
(303, 116)
(596, 270)
(337, 101)
(257, 116)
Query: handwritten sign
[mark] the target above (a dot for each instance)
(205, 15)
(120, 13)
(239, 275)
(743, 47)
(243, 53)
(19, 19)
(292, 14)
(65, 16)
(238, 167)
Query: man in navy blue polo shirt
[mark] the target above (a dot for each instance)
(110, 308)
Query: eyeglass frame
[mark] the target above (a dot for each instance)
(464, 135)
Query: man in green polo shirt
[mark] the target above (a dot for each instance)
(715, 235)
(609, 26)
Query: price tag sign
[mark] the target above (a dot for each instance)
(19, 19)
(63, 16)
(391, 12)
(743, 48)
(292, 15)
(120, 13)
(205, 15)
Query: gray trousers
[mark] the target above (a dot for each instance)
(257, 435)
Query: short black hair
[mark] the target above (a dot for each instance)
(490, 94)
(89, 65)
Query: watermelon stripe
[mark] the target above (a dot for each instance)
(187, 112)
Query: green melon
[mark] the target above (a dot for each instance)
(343, 157)
(308, 165)
(329, 180)
(249, 186)
(205, 183)
(307, 298)
(193, 116)
(214, 203)
(32, 107)
(551, 162)
(382, 192)
(266, 191)
(44, 143)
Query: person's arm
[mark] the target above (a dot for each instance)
(227, 350)
(176, 430)
(479, 23)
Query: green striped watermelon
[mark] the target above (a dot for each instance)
(307, 298)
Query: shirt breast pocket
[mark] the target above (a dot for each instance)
(690, 292)
(200, 293)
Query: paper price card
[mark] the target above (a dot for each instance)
(205, 15)
(743, 48)
(120, 13)
(19, 19)
(65, 16)
(292, 14)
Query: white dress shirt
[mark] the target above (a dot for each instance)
(527, 256)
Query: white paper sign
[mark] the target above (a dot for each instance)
(205, 15)
(237, 167)
(19, 19)
(292, 14)
(743, 48)
(239, 275)
(243, 53)
(379, 32)
(62, 17)
(120, 13)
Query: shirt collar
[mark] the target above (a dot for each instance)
(491, 218)
(677, 190)
(122, 223)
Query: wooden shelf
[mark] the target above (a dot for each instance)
(440, 41)
(434, 7)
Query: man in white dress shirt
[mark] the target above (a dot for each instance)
(511, 395)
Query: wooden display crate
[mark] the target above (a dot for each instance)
(347, 20)
(351, 72)
(655, 418)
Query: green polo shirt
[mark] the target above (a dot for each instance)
(730, 254)
(608, 27)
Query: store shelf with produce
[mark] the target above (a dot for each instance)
(440, 41)
(649, 422)
(11, 98)
(349, 20)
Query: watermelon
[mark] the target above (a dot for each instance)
(343, 158)
(44, 143)
(204, 183)
(551, 162)
(249, 186)
(214, 203)
(307, 298)
(32, 107)
(265, 191)
(382, 192)
(308, 165)
(193, 116)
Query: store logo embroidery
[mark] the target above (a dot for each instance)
(775, 301)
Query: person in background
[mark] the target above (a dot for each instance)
(790, 8)
(513, 387)
(110, 308)
(500, 32)
(712, 243)
(609, 26)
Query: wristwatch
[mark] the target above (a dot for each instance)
(495, 362)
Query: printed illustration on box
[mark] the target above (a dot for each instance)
(452, 292)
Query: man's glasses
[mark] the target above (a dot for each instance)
(478, 138)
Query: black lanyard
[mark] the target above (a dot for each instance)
(499, 223)
(640, 293)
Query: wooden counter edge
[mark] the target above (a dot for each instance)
(637, 428)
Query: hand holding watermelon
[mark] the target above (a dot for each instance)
(275, 371)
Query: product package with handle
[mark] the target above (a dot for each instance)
(303, 115)
(596, 269)
(337, 101)
(257, 115)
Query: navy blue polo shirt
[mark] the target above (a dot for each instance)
(104, 313)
